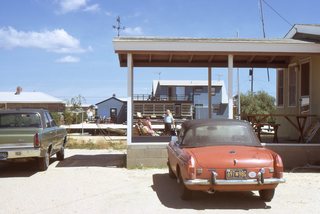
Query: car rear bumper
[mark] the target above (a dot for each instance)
(234, 182)
(6, 154)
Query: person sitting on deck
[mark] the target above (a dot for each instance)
(147, 128)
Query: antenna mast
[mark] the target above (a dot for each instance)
(118, 26)
(263, 31)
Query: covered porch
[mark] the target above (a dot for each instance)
(186, 53)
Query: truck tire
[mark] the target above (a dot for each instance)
(60, 154)
(43, 162)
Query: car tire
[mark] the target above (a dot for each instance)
(171, 173)
(43, 162)
(60, 154)
(185, 193)
(266, 194)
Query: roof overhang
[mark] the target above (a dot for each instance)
(305, 32)
(192, 52)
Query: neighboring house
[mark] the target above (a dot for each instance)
(195, 91)
(19, 99)
(298, 88)
(113, 108)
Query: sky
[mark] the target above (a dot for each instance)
(64, 47)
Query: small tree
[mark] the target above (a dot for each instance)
(74, 114)
(257, 103)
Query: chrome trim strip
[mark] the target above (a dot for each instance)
(235, 182)
(22, 153)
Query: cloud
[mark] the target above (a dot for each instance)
(57, 41)
(67, 6)
(133, 31)
(68, 59)
(92, 8)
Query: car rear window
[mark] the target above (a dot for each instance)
(211, 135)
(20, 120)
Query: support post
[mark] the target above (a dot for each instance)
(130, 101)
(209, 93)
(230, 86)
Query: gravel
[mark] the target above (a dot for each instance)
(94, 181)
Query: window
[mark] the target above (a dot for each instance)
(293, 85)
(280, 87)
(305, 79)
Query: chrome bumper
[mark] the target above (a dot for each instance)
(19, 153)
(235, 182)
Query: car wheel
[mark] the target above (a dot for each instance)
(171, 173)
(60, 154)
(43, 162)
(185, 193)
(266, 194)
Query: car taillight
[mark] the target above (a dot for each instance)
(192, 168)
(278, 166)
(36, 140)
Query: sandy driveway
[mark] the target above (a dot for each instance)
(88, 182)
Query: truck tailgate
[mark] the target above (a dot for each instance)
(17, 137)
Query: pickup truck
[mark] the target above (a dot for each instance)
(30, 133)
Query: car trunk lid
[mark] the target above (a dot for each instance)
(231, 156)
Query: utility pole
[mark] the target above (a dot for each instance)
(118, 26)
(251, 74)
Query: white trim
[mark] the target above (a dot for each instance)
(209, 92)
(301, 62)
(215, 45)
(130, 101)
(230, 86)
(296, 70)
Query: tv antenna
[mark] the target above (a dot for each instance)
(264, 35)
(118, 26)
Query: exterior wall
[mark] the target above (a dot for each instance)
(52, 107)
(148, 155)
(104, 107)
(200, 100)
(286, 129)
(315, 86)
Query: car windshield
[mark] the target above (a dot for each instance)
(20, 120)
(214, 135)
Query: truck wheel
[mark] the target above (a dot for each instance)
(266, 194)
(60, 154)
(43, 162)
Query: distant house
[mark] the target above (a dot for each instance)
(195, 91)
(114, 109)
(19, 99)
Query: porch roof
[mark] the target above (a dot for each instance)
(211, 52)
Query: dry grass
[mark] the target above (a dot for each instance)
(97, 144)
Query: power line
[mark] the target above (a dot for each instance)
(274, 10)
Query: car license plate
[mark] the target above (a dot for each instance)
(236, 174)
(3, 155)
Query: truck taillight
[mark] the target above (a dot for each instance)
(278, 166)
(36, 140)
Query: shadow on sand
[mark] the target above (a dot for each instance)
(22, 168)
(168, 193)
(27, 168)
(101, 160)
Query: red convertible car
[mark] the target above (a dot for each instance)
(222, 155)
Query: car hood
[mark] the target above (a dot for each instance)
(231, 157)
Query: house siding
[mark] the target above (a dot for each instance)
(199, 95)
(104, 107)
(286, 130)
